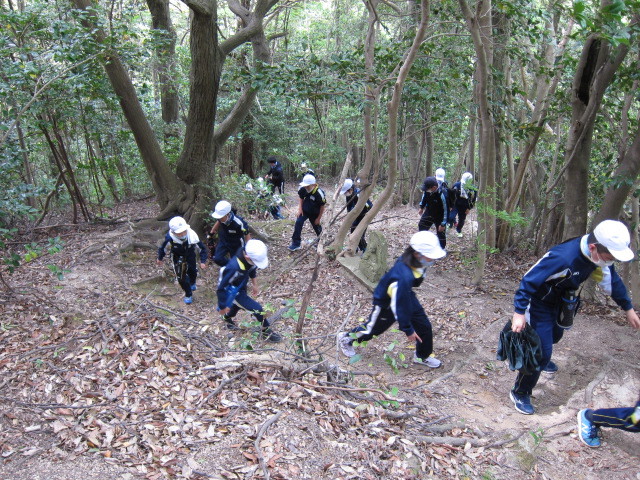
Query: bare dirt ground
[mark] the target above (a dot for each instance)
(107, 374)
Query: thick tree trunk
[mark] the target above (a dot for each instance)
(594, 73)
(167, 186)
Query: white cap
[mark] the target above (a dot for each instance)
(466, 176)
(222, 208)
(427, 244)
(614, 235)
(178, 225)
(440, 174)
(257, 253)
(348, 183)
(308, 180)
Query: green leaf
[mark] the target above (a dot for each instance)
(356, 358)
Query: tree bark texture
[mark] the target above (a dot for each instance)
(165, 58)
(594, 73)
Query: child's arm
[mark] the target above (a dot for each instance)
(161, 250)
(320, 215)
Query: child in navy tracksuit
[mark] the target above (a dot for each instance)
(465, 196)
(394, 300)
(184, 242)
(232, 230)
(434, 209)
(311, 207)
(352, 195)
(275, 175)
(590, 421)
(232, 287)
(554, 280)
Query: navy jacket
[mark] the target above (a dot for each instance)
(435, 205)
(395, 291)
(563, 268)
(352, 200)
(276, 174)
(233, 278)
(464, 203)
(312, 202)
(183, 249)
(232, 235)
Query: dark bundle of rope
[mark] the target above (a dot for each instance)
(522, 349)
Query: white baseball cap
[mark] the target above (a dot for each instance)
(440, 174)
(178, 225)
(257, 253)
(614, 236)
(427, 244)
(308, 180)
(348, 183)
(222, 208)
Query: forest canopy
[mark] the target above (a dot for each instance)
(108, 101)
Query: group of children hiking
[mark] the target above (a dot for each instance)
(538, 302)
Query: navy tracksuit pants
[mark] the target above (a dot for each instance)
(614, 418)
(542, 318)
(381, 319)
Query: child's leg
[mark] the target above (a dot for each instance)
(452, 216)
(462, 216)
(296, 238)
(192, 271)
(249, 304)
(614, 418)
(380, 319)
(422, 326)
(180, 267)
(220, 257)
(425, 222)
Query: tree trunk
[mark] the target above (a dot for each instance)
(594, 73)
(392, 111)
(165, 60)
(188, 191)
(481, 35)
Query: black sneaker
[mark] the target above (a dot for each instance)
(271, 336)
(231, 325)
(522, 403)
(551, 368)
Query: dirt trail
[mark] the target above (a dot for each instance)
(320, 433)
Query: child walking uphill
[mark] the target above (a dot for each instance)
(232, 287)
(465, 195)
(434, 209)
(311, 207)
(394, 300)
(184, 242)
(352, 195)
(232, 230)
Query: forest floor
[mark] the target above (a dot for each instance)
(106, 373)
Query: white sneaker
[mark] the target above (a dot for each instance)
(344, 340)
(459, 234)
(430, 361)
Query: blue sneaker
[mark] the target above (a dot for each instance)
(194, 287)
(551, 368)
(522, 403)
(587, 431)
(188, 300)
(293, 248)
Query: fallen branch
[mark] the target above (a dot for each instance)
(256, 444)
(350, 389)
